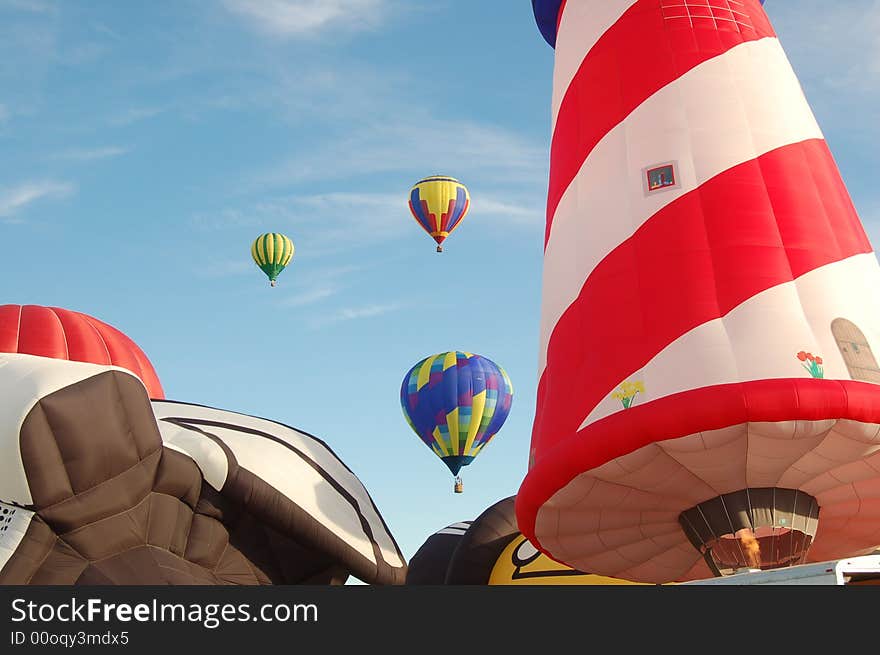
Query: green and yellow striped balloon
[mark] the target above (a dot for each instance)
(272, 252)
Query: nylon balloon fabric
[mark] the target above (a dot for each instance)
(158, 492)
(272, 252)
(456, 402)
(549, 12)
(66, 334)
(708, 351)
(439, 203)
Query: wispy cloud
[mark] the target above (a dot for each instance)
(324, 275)
(354, 313)
(471, 149)
(225, 268)
(32, 6)
(342, 221)
(841, 51)
(345, 217)
(90, 154)
(16, 199)
(371, 127)
(369, 210)
(135, 115)
(305, 18)
(104, 29)
(329, 223)
(342, 96)
(229, 219)
(318, 223)
(311, 296)
(317, 284)
(4, 114)
(82, 54)
(520, 212)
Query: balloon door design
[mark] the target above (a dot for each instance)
(695, 414)
(439, 203)
(856, 351)
(456, 402)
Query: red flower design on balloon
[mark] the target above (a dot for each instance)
(812, 363)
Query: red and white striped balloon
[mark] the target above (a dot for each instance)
(700, 243)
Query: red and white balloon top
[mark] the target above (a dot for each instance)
(64, 334)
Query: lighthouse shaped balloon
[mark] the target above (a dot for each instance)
(709, 394)
(456, 402)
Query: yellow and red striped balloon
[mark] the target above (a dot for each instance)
(439, 203)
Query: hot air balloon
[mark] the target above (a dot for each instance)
(429, 563)
(708, 396)
(439, 203)
(272, 252)
(85, 432)
(65, 334)
(456, 402)
(490, 550)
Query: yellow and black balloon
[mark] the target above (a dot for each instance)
(439, 203)
(272, 252)
(492, 551)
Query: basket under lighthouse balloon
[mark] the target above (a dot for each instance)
(709, 394)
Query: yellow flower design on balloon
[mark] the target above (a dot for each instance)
(627, 391)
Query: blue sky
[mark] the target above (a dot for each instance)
(143, 146)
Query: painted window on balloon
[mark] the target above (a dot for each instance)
(660, 177)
